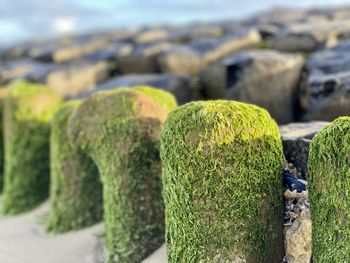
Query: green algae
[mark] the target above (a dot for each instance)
(120, 131)
(3, 93)
(75, 189)
(222, 164)
(329, 184)
(27, 111)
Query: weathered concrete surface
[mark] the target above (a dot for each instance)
(326, 94)
(296, 138)
(266, 78)
(23, 239)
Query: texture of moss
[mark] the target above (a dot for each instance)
(329, 186)
(75, 187)
(27, 112)
(3, 93)
(222, 181)
(120, 131)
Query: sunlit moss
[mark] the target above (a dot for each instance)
(222, 165)
(120, 131)
(75, 188)
(27, 111)
(329, 184)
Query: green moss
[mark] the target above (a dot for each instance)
(222, 166)
(120, 131)
(26, 140)
(329, 186)
(75, 189)
(3, 93)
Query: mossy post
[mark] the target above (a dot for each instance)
(120, 131)
(222, 184)
(3, 93)
(329, 187)
(75, 187)
(28, 109)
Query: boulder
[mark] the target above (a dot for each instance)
(143, 59)
(28, 109)
(308, 37)
(329, 173)
(178, 85)
(296, 138)
(298, 239)
(150, 35)
(76, 78)
(25, 69)
(221, 170)
(75, 187)
(180, 60)
(120, 131)
(263, 77)
(326, 94)
(214, 49)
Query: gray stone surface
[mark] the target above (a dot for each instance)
(72, 80)
(326, 94)
(263, 77)
(296, 138)
(179, 85)
(311, 36)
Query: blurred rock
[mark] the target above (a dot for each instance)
(72, 80)
(212, 50)
(263, 77)
(326, 95)
(194, 31)
(151, 35)
(179, 85)
(298, 239)
(296, 138)
(179, 60)
(143, 59)
(25, 69)
(308, 37)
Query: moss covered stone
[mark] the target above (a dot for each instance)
(75, 188)
(222, 181)
(120, 131)
(3, 93)
(27, 111)
(329, 186)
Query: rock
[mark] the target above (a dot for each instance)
(298, 239)
(263, 77)
(308, 37)
(296, 138)
(179, 60)
(194, 31)
(212, 50)
(26, 69)
(143, 59)
(326, 94)
(74, 79)
(211, 154)
(150, 35)
(178, 85)
(111, 52)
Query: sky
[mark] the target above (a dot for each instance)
(25, 19)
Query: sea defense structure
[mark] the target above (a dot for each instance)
(222, 177)
(75, 187)
(3, 93)
(120, 131)
(28, 109)
(329, 173)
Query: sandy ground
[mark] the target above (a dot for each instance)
(23, 239)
